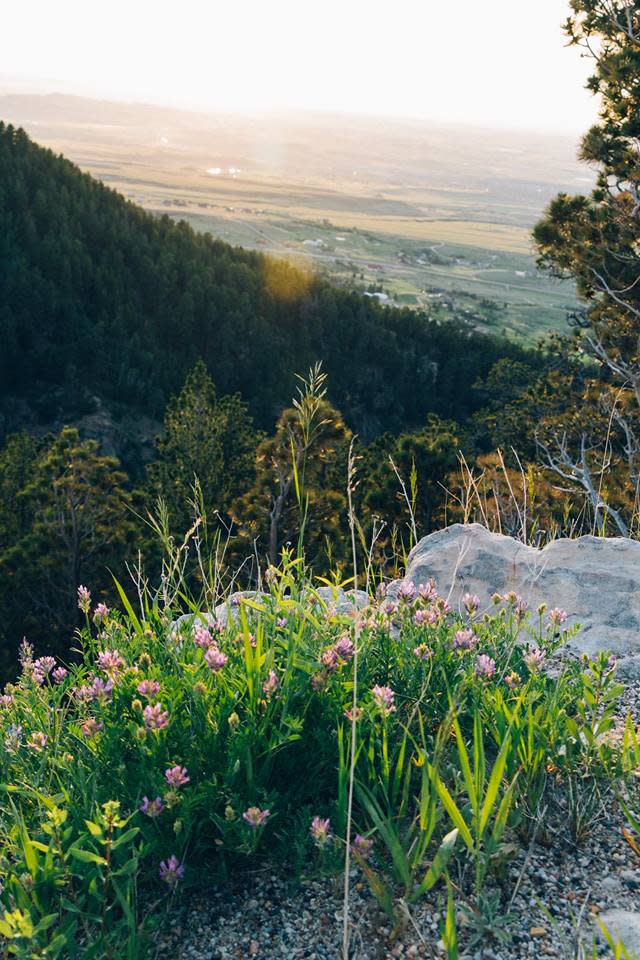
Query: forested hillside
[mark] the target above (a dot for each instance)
(100, 298)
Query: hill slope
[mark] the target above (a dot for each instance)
(99, 298)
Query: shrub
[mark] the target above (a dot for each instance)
(176, 752)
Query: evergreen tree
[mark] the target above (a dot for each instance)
(79, 529)
(208, 438)
(595, 240)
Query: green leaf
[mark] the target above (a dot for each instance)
(127, 605)
(87, 856)
(450, 806)
(438, 864)
(494, 783)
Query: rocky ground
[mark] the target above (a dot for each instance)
(551, 890)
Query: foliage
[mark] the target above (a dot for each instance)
(182, 751)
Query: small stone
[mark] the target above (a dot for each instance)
(254, 946)
(631, 878)
(537, 932)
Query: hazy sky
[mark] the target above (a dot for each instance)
(489, 62)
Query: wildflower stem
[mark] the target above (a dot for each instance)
(354, 706)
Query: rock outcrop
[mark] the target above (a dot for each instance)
(595, 580)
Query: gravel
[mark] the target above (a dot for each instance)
(552, 888)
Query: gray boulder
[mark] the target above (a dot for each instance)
(337, 600)
(595, 580)
(623, 927)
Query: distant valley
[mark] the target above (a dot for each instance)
(437, 218)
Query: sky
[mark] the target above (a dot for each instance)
(494, 63)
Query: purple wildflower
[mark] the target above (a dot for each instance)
(59, 674)
(281, 622)
(155, 718)
(171, 871)
(151, 808)
(406, 591)
(383, 698)
(13, 738)
(427, 591)
(5, 700)
(345, 648)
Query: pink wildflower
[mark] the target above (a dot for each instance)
(271, 683)
(534, 659)
(383, 698)
(557, 616)
(148, 688)
(321, 831)
(350, 713)
(6, 700)
(110, 662)
(45, 664)
(485, 666)
(427, 591)
(155, 718)
(176, 776)
(471, 602)
(84, 599)
(215, 659)
(91, 727)
(465, 640)
(406, 591)
(37, 741)
(329, 659)
(422, 652)
(256, 817)
(101, 613)
(202, 638)
(362, 846)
